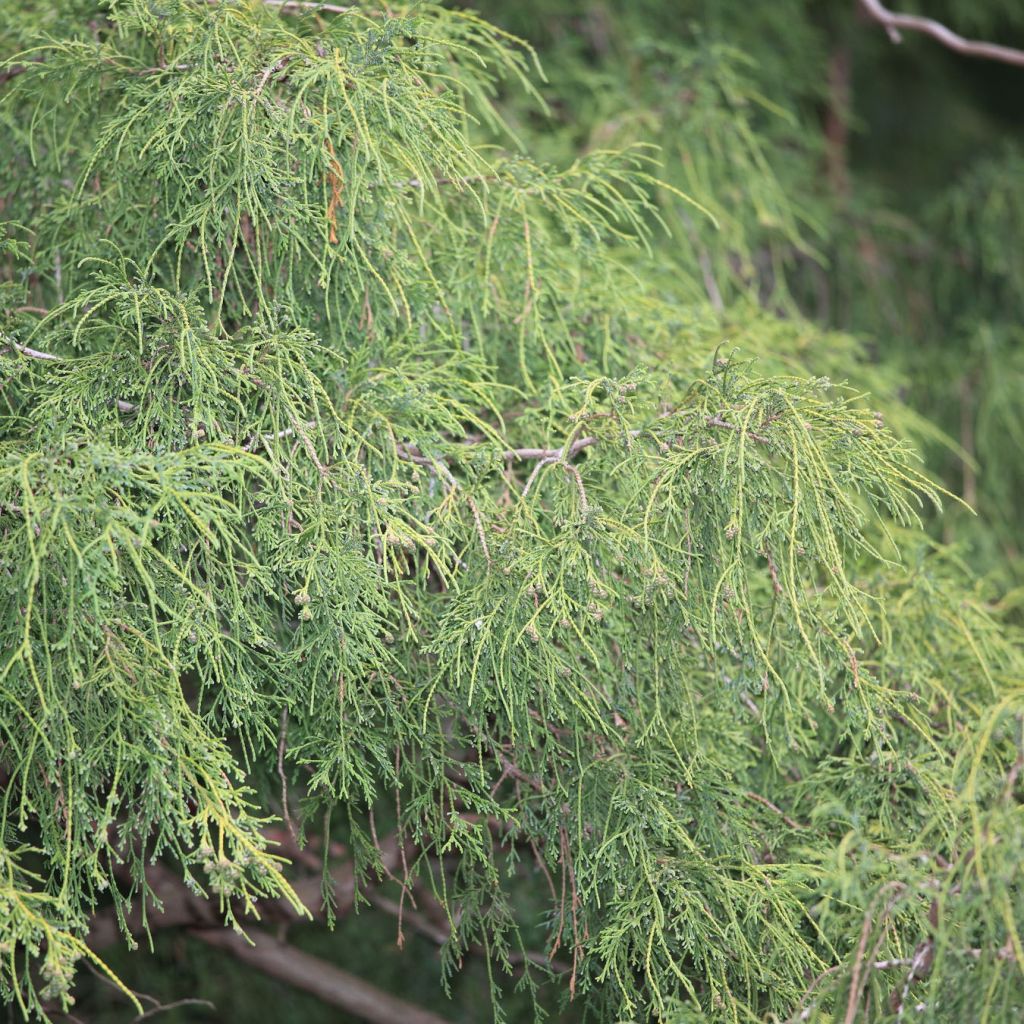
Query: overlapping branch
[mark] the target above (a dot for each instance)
(183, 908)
(895, 23)
(328, 983)
(410, 453)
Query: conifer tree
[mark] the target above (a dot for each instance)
(371, 477)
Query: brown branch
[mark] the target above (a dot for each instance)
(529, 454)
(128, 407)
(31, 353)
(182, 908)
(410, 453)
(894, 23)
(265, 77)
(717, 421)
(254, 443)
(419, 922)
(920, 965)
(514, 771)
(18, 69)
(837, 122)
(165, 1007)
(859, 976)
(479, 527)
(328, 983)
(307, 5)
(877, 965)
(765, 802)
(440, 935)
(282, 738)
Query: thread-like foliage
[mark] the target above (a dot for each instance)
(335, 429)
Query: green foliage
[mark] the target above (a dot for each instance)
(346, 448)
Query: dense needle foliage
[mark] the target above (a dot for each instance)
(373, 460)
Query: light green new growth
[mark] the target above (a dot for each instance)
(327, 413)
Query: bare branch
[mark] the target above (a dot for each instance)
(17, 69)
(301, 5)
(31, 353)
(410, 453)
(440, 935)
(536, 472)
(166, 1007)
(894, 23)
(282, 737)
(765, 802)
(307, 5)
(717, 421)
(529, 454)
(325, 981)
(182, 908)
